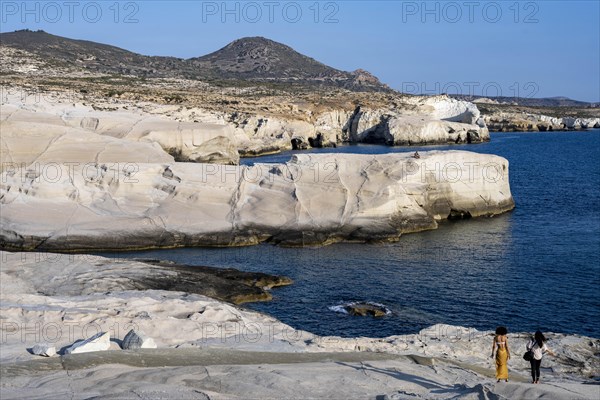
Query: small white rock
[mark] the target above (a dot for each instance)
(98, 342)
(44, 350)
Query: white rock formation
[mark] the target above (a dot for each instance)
(44, 350)
(191, 141)
(98, 342)
(258, 135)
(221, 136)
(431, 119)
(313, 199)
(137, 340)
(485, 100)
(331, 124)
(449, 109)
(187, 141)
(423, 120)
(415, 130)
(114, 136)
(366, 125)
(83, 294)
(580, 123)
(453, 361)
(45, 143)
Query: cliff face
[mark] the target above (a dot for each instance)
(222, 136)
(309, 200)
(87, 136)
(416, 121)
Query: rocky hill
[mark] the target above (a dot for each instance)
(91, 56)
(248, 59)
(261, 59)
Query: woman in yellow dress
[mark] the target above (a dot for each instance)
(500, 347)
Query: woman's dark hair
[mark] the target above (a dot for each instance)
(501, 330)
(539, 338)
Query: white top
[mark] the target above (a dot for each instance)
(536, 350)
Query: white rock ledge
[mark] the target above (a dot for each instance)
(252, 354)
(311, 200)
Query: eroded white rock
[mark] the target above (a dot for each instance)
(105, 136)
(46, 142)
(313, 199)
(98, 342)
(415, 130)
(423, 120)
(44, 350)
(449, 109)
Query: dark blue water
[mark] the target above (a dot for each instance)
(536, 267)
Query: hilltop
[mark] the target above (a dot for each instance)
(251, 59)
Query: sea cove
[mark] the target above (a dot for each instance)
(457, 273)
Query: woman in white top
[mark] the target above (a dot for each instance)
(538, 347)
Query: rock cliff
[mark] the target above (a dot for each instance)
(222, 136)
(44, 134)
(410, 121)
(311, 200)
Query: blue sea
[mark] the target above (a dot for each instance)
(537, 267)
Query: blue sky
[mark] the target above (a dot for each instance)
(512, 48)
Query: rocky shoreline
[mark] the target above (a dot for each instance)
(515, 118)
(228, 284)
(206, 348)
(198, 133)
(538, 123)
(142, 175)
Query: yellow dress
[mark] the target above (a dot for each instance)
(502, 363)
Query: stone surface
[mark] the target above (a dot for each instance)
(137, 340)
(132, 132)
(312, 199)
(419, 131)
(39, 138)
(429, 120)
(85, 293)
(44, 350)
(205, 143)
(83, 135)
(237, 352)
(98, 342)
(449, 109)
(186, 141)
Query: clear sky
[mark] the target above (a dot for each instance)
(512, 48)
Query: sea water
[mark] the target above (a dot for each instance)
(537, 267)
